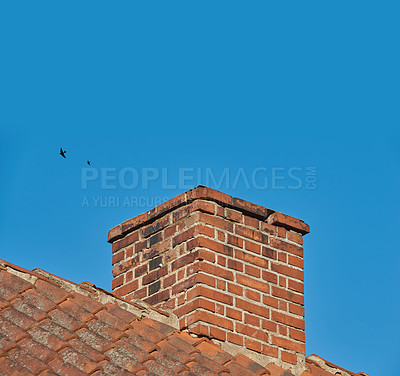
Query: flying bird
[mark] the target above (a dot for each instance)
(88, 162)
(62, 152)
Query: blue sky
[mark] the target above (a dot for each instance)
(212, 86)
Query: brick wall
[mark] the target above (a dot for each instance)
(228, 269)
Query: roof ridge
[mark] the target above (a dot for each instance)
(138, 307)
(329, 366)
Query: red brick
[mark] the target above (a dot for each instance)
(298, 335)
(251, 234)
(234, 240)
(194, 305)
(288, 320)
(288, 344)
(270, 351)
(132, 223)
(114, 233)
(288, 295)
(294, 237)
(268, 325)
(235, 338)
(295, 286)
(282, 256)
(221, 284)
(217, 333)
(251, 320)
(206, 279)
(251, 221)
(129, 252)
(252, 308)
(220, 211)
(283, 306)
(234, 313)
(270, 301)
(270, 277)
(258, 210)
(205, 292)
(183, 237)
(251, 270)
(296, 261)
(168, 232)
(253, 345)
(170, 204)
(252, 259)
(126, 289)
(203, 206)
(139, 294)
(180, 213)
(270, 229)
(281, 232)
(118, 281)
(220, 309)
(155, 226)
(233, 215)
(250, 282)
(183, 261)
(170, 304)
(216, 222)
(181, 274)
(184, 285)
(289, 222)
(253, 295)
(140, 246)
(296, 309)
(129, 239)
(117, 257)
(159, 297)
(259, 334)
(200, 241)
(288, 271)
(287, 247)
(157, 250)
(268, 252)
(122, 267)
(289, 357)
(202, 192)
(140, 270)
(154, 275)
(209, 318)
(236, 265)
(205, 230)
(235, 289)
(170, 280)
(282, 329)
(221, 260)
(200, 329)
(215, 270)
(252, 247)
(204, 254)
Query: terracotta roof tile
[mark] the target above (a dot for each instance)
(12, 368)
(250, 365)
(50, 326)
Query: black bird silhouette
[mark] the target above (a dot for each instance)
(88, 162)
(62, 152)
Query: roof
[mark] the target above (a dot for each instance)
(51, 326)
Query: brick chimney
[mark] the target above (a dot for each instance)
(228, 269)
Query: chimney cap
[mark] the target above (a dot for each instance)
(202, 192)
